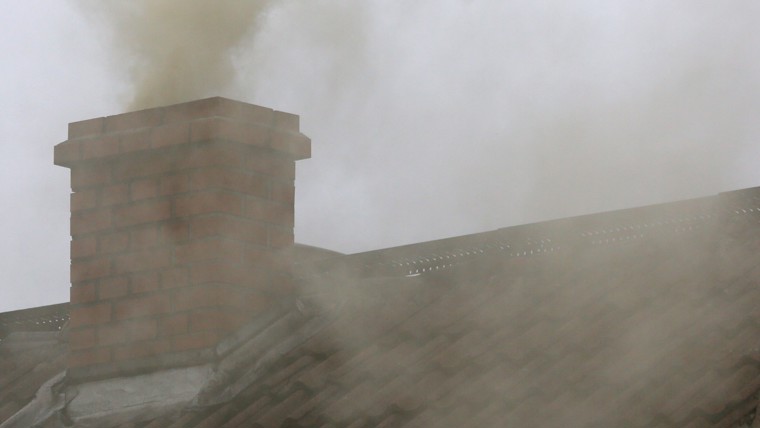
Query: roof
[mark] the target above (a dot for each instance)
(43, 318)
(27, 361)
(639, 318)
(32, 351)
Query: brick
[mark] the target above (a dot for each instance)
(110, 288)
(220, 296)
(144, 189)
(143, 306)
(268, 211)
(86, 128)
(196, 297)
(84, 200)
(141, 212)
(276, 260)
(219, 271)
(280, 167)
(284, 193)
(175, 231)
(209, 249)
(127, 331)
(106, 145)
(256, 256)
(134, 141)
(83, 293)
(243, 229)
(174, 184)
(254, 135)
(98, 313)
(143, 166)
(83, 247)
(231, 297)
(220, 129)
(145, 282)
(280, 237)
(116, 194)
(134, 120)
(67, 153)
(282, 258)
(213, 319)
(293, 144)
(204, 339)
(170, 135)
(218, 178)
(174, 278)
(286, 121)
(142, 261)
(144, 237)
(83, 338)
(210, 154)
(208, 202)
(143, 349)
(252, 114)
(173, 325)
(82, 270)
(114, 242)
(84, 176)
(206, 129)
(89, 357)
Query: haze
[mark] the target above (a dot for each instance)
(428, 119)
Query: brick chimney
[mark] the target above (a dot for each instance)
(182, 230)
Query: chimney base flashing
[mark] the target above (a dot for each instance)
(142, 366)
(107, 403)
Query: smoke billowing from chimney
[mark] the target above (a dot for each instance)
(178, 50)
(470, 115)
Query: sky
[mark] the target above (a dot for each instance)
(428, 119)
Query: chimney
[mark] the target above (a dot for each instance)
(181, 227)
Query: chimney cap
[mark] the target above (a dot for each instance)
(194, 122)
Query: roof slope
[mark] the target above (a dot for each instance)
(636, 318)
(658, 331)
(27, 360)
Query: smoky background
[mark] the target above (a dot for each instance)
(428, 120)
(435, 119)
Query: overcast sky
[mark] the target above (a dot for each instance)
(428, 119)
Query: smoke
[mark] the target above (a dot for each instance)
(457, 117)
(620, 334)
(435, 119)
(176, 50)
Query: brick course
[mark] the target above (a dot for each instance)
(90, 175)
(89, 357)
(86, 128)
(247, 230)
(84, 293)
(206, 202)
(84, 247)
(134, 141)
(84, 200)
(181, 221)
(94, 314)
